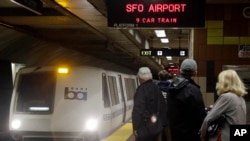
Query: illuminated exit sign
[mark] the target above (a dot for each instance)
(164, 52)
(156, 13)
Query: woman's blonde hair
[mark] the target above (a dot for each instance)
(229, 81)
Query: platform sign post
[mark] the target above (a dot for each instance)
(156, 13)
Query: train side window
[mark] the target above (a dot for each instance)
(105, 94)
(130, 85)
(36, 92)
(113, 90)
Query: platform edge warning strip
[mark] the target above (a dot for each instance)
(122, 134)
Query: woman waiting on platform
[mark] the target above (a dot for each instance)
(231, 103)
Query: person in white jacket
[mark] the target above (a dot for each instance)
(231, 103)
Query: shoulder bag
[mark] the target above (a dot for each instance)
(215, 125)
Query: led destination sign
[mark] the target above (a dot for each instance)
(156, 13)
(164, 52)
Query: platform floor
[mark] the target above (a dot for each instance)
(124, 133)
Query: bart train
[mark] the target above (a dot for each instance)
(79, 103)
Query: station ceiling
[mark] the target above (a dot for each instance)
(75, 32)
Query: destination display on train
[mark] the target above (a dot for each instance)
(164, 52)
(156, 13)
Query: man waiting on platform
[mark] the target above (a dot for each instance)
(186, 109)
(146, 100)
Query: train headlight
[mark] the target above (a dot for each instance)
(91, 125)
(16, 124)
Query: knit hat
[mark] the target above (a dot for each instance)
(188, 65)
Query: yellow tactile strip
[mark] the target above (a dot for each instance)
(122, 134)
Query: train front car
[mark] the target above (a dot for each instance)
(62, 104)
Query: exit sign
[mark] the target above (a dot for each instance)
(164, 52)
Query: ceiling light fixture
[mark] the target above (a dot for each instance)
(169, 57)
(131, 31)
(160, 33)
(137, 38)
(164, 40)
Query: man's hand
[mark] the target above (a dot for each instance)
(135, 133)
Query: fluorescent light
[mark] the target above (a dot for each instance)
(160, 33)
(169, 57)
(39, 108)
(164, 40)
(146, 46)
(131, 31)
(137, 38)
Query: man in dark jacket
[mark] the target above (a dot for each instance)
(146, 105)
(186, 109)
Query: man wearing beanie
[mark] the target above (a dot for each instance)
(186, 109)
(145, 109)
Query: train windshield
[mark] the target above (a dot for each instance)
(36, 92)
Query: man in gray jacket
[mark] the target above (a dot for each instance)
(186, 109)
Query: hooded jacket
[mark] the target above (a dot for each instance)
(186, 109)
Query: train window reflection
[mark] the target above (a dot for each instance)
(36, 92)
(130, 88)
(113, 90)
(105, 91)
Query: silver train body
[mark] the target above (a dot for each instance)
(78, 104)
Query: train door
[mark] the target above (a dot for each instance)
(123, 99)
(116, 100)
